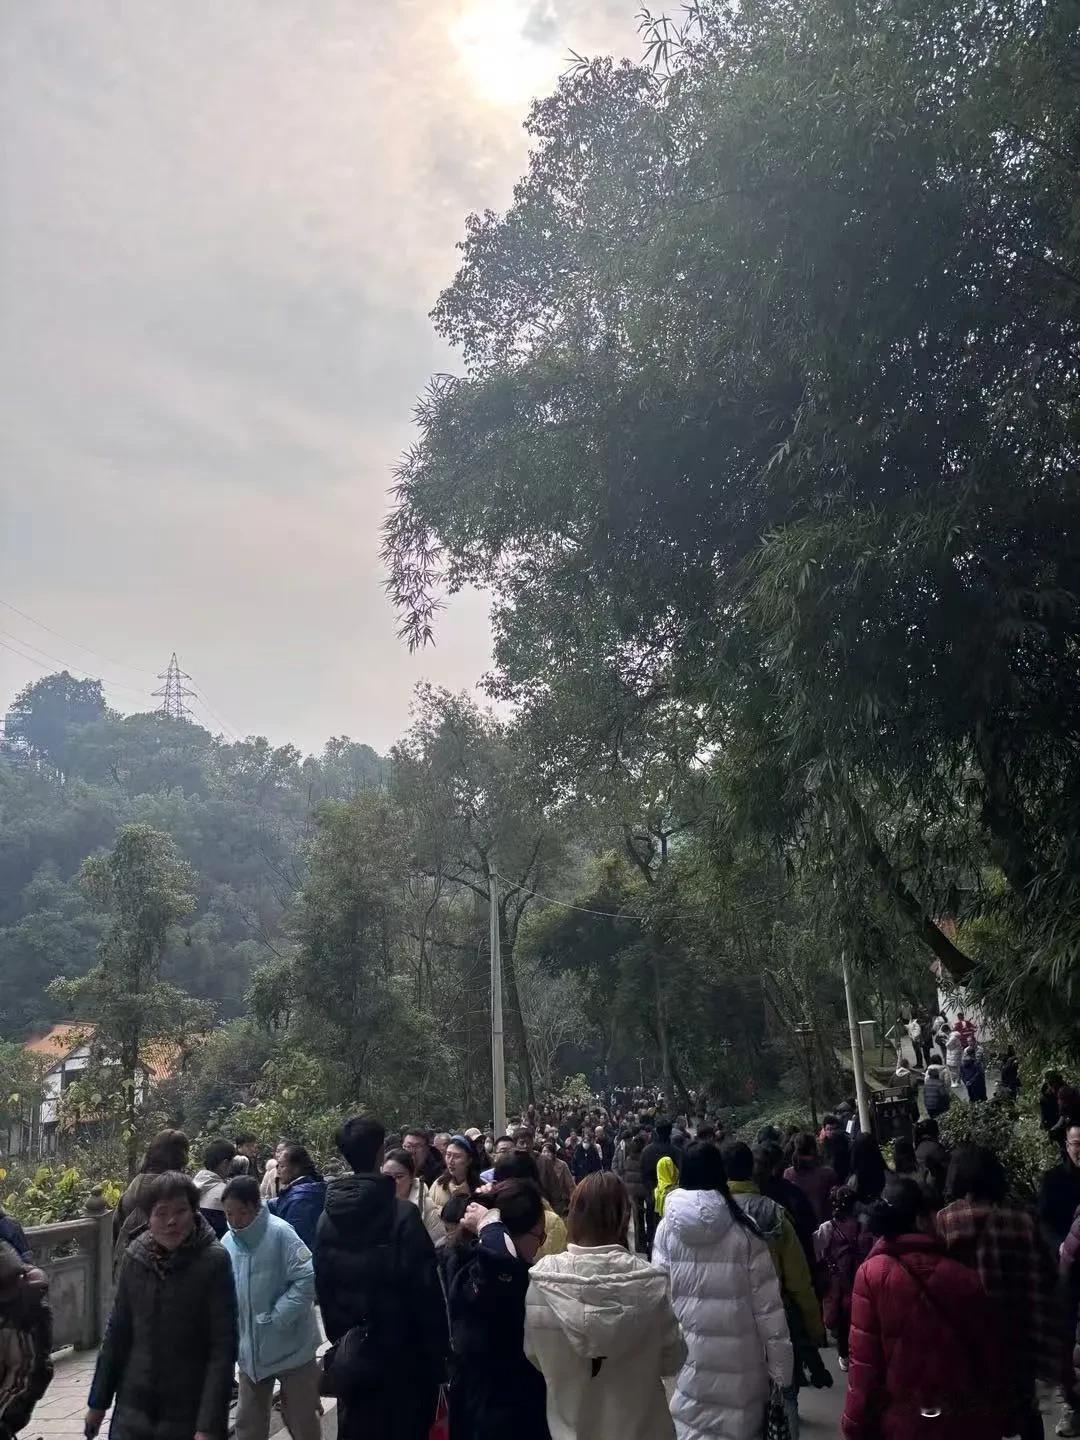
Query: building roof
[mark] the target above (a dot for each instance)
(161, 1059)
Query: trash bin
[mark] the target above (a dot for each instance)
(893, 1116)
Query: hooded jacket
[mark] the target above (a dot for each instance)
(373, 1256)
(796, 1284)
(170, 1345)
(600, 1327)
(301, 1204)
(937, 1090)
(211, 1188)
(275, 1294)
(726, 1295)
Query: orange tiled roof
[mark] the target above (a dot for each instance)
(161, 1058)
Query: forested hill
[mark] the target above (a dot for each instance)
(72, 772)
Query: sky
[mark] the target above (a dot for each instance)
(222, 226)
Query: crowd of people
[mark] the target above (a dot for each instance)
(589, 1274)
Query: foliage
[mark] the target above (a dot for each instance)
(1014, 1137)
(53, 1192)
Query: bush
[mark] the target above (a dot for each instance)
(52, 1192)
(1013, 1135)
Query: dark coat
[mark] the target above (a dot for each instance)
(301, 1204)
(632, 1177)
(586, 1162)
(816, 1182)
(12, 1233)
(373, 1256)
(800, 1210)
(1059, 1196)
(651, 1156)
(937, 1096)
(923, 1335)
(495, 1392)
(25, 1355)
(171, 1343)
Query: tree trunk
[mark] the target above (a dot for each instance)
(513, 999)
(663, 1040)
(130, 1066)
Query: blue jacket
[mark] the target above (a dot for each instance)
(12, 1232)
(301, 1204)
(275, 1293)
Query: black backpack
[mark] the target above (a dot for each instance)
(366, 1355)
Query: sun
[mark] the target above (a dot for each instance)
(503, 64)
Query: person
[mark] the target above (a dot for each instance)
(954, 1051)
(302, 1192)
(815, 1180)
(167, 1153)
(599, 1326)
(924, 1344)
(495, 1392)
(270, 1185)
(605, 1145)
(12, 1233)
(504, 1145)
(726, 1295)
(937, 1091)
(978, 1227)
(667, 1178)
(656, 1149)
(522, 1166)
(407, 1186)
(796, 1285)
(940, 1031)
(170, 1345)
(973, 1074)
(440, 1142)
(376, 1279)
(587, 1158)
(931, 1161)
(1053, 1081)
(769, 1167)
(556, 1181)
(210, 1181)
(635, 1188)
(841, 1245)
(248, 1149)
(1009, 1081)
(965, 1028)
(428, 1164)
(915, 1035)
(26, 1340)
(904, 1162)
(279, 1334)
(868, 1171)
(462, 1173)
(836, 1148)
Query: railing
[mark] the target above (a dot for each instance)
(76, 1255)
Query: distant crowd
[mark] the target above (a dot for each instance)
(556, 1283)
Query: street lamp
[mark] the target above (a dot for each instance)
(805, 1033)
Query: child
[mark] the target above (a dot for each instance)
(25, 1341)
(841, 1245)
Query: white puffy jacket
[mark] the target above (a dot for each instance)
(727, 1297)
(600, 1327)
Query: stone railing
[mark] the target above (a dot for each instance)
(76, 1255)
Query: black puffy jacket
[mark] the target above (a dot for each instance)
(373, 1256)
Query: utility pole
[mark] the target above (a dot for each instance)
(498, 1059)
(173, 695)
(861, 1097)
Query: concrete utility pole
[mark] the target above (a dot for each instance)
(855, 1033)
(498, 1059)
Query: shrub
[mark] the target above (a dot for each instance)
(1013, 1135)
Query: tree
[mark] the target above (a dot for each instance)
(44, 715)
(770, 409)
(144, 888)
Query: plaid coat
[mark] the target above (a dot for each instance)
(1017, 1272)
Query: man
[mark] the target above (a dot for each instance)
(427, 1160)
(523, 1140)
(441, 1141)
(377, 1280)
(25, 1340)
(210, 1182)
(247, 1150)
(915, 1035)
(586, 1159)
(279, 1334)
(658, 1147)
(504, 1145)
(1017, 1272)
(605, 1145)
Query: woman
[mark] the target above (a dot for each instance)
(522, 1166)
(726, 1295)
(816, 1181)
(171, 1343)
(635, 1188)
(954, 1050)
(925, 1351)
(168, 1151)
(840, 1247)
(462, 1173)
(937, 1091)
(555, 1179)
(868, 1171)
(302, 1195)
(600, 1328)
(401, 1167)
(495, 1392)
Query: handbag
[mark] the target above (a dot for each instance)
(776, 1420)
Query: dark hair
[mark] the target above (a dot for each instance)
(453, 1212)
(245, 1189)
(519, 1204)
(868, 1170)
(899, 1209)
(976, 1171)
(217, 1152)
(738, 1159)
(706, 1132)
(523, 1132)
(360, 1139)
(167, 1151)
(599, 1211)
(663, 1129)
(829, 1120)
(842, 1201)
(418, 1133)
(927, 1130)
(505, 1139)
(703, 1169)
(172, 1185)
(472, 1172)
(402, 1158)
(298, 1157)
(804, 1146)
(245, 1137)
(904, 1156)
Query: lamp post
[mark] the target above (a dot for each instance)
(806, 1032)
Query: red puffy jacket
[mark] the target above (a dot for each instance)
(924, 1337)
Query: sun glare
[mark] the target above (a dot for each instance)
(503, 65)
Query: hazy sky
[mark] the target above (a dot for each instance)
(222, 225)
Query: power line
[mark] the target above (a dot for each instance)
(226, 727)
(138, 669)
(56, 660)
(581, 909)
